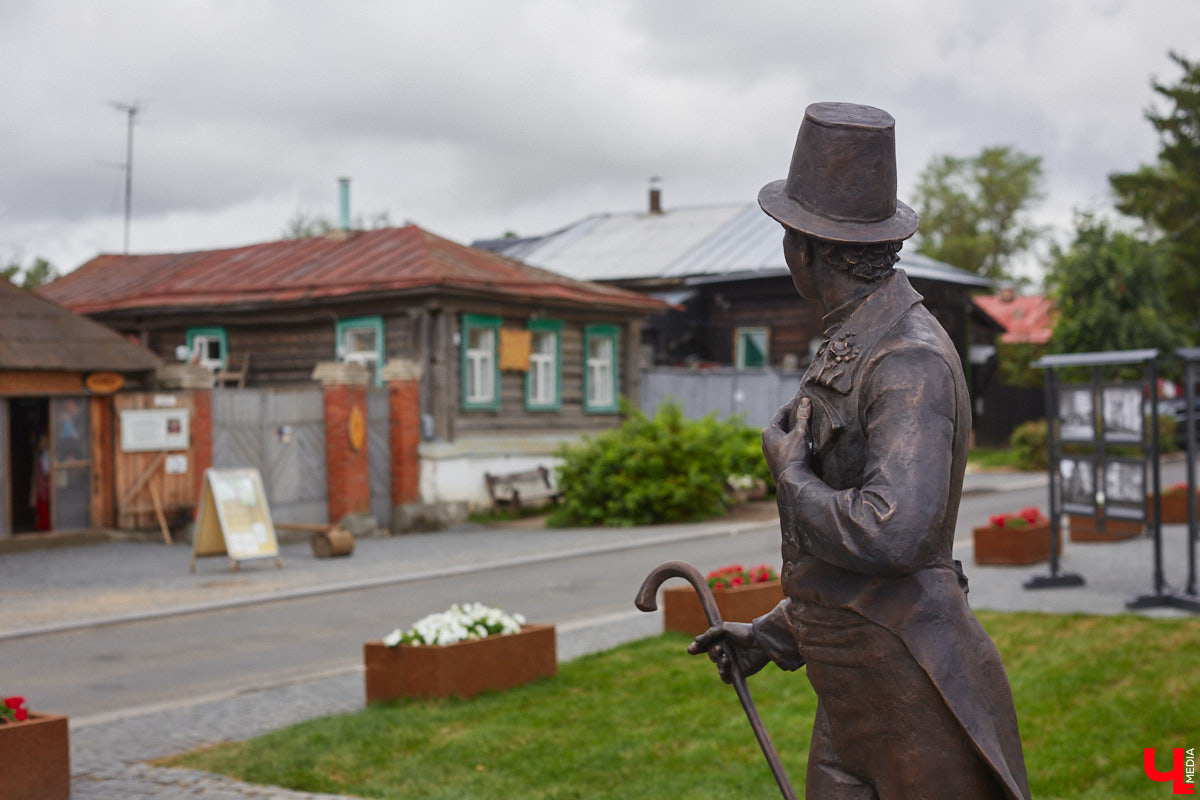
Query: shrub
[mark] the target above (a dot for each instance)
(661, 469)
(1028, 444)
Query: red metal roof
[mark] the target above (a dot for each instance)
(1025, 319)
(296, 270)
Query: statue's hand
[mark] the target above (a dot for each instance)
(731, 640)
(785, 440)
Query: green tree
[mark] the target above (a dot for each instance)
(38, 273)
(1166, 195)
(974, 210)
(1110, 289)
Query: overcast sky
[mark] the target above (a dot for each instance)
(475, 118)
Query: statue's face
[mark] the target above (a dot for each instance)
(798, 255)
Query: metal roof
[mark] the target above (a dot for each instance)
(1025, 318)
(300, 270)
(1100, 359)
(699, 244)
(36, 334)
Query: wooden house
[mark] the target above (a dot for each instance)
(721, 267)
(58, 375)
(513, 360)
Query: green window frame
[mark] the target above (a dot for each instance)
(752, 346)
(543, 381)
(601, 369)
(479, 348)
(373, 360)
(206, 337)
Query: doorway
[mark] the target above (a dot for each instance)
(29, 460)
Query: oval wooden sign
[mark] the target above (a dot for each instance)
(357, 429)
(104, 382)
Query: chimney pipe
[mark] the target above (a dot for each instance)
(344, 202)
(655, 197)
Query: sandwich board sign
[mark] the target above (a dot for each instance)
(234, 519)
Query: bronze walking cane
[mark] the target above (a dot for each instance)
(647, 601)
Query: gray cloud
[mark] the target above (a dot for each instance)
(474, 118)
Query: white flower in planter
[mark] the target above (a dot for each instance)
(458, 623)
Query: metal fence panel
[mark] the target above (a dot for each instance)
(754, 393)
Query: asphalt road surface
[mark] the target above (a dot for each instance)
(107, 669)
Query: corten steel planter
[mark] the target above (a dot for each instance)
(682, 612)
(1012, 546)
(1174, 507)
(463, 669)
(35, 760)
(1084, 529)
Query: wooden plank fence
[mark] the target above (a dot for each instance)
(379, 455)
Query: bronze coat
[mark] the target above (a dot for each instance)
(871, 527)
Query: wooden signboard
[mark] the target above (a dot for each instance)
(514, 350)
(234, 519)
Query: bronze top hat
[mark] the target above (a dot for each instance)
(842, 183)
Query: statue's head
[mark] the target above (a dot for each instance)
(842, 183)
(839, 199)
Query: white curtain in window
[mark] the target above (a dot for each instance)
(541, 369)
(600, 371)
(481, 354)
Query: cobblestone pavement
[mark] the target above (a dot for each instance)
(108, 757)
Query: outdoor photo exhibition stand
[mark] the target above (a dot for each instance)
(1103, 453)
(1098, 448)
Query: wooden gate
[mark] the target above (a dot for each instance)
(379, 454)
(281, 433)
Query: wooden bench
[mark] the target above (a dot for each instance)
(510, 489)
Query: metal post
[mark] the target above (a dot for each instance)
(1189, 373)
(1155, 473)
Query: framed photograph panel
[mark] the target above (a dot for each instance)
(1077, 479)
(1076, 414)
(1124, 486)
(1121, 412)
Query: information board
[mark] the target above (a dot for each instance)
(149, 429)
(234, 518)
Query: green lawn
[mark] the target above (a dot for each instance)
(993, 458)
(645, 720)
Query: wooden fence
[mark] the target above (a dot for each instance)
(281, 433)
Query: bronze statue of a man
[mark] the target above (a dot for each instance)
(868, 460)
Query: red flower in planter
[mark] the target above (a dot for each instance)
(1023, 518)
(14, 710)
(1175, 488)
(737, 575)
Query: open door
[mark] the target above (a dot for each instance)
(72, 466)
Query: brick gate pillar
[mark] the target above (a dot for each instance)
(347, 470)
(403, 377)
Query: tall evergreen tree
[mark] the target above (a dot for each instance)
(1166, 195)
(1110, 291)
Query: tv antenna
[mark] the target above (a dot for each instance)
(130, 109)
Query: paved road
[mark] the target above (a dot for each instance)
(164, 683)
